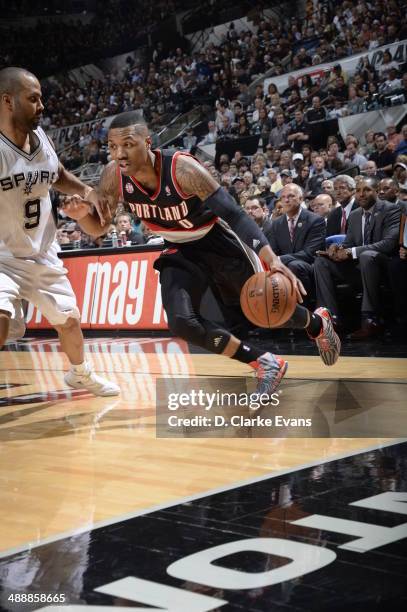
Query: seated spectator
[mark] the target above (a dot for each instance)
(391, 84)
(125, 229)
(62, 236)
(327, 186)
(286, 178)
(225, 131)
(262, 127)
(243, 128)
(400, 173)
(276, 184)
(278, 134)
(316, 112)
(322, 205)
(388, 190)
(189, 140)
(337, 222)
(318, 175)
(211, 136)
(237, 187)
(149, 237)
(299, 132)
(256, 208)
(302, 179)
(278, 210)
(370, 169)
(401, 148)
(264, 186)
(352, 156)
(297, 162)
(369, 147)
(387, 65)
(397, 273)
(371, 238)
(339, 109)
(297, 235)
(393, 139)
(383, 157)
(74, 234)
(355, 104)
(340, 91)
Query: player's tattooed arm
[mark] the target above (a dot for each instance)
(108, 193)
(95, 211)
(193, 178)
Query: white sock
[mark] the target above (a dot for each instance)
(81, 368)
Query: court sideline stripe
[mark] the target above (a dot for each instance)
(124, 517)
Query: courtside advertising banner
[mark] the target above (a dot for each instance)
(118, 291)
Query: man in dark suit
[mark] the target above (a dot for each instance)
(337, 222)
(297, 235)
(372, 238)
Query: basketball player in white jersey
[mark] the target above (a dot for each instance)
(29, 266)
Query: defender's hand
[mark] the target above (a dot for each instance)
(76, 208)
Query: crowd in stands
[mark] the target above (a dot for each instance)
(49, 46)
(173, 81)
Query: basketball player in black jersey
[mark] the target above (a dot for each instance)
(210, 240)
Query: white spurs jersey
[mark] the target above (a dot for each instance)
(27, 224)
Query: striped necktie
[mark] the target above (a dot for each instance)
(343, 222)
(291, 228)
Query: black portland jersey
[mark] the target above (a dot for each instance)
(174, 215)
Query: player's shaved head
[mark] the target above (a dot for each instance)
(130, 119)
(12, 79)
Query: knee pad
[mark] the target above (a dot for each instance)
(216, 340)
(188, 328)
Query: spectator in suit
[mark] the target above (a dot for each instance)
(256, 208)
(372, 237)
(388, 190)
(344, 191)
(297, 235)
(397, 269)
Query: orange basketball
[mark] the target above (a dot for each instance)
(268, 300)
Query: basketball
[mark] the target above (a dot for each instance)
(268, 300)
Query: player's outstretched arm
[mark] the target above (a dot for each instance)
(69, 184)
(194, 179)
(95, 212)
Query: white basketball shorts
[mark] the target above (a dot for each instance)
(45, 286)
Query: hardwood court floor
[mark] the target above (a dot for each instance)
(69, 460)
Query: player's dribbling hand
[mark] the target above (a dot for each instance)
(273, 264)
(76, 208)
(297, 284)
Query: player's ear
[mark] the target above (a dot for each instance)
(7, 100)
